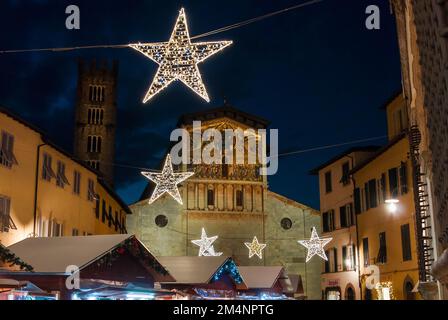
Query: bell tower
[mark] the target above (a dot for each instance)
(96, 109)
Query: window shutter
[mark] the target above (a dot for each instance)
(393, 182)
(367, 196)
(406, 242)
(325, 224)
(403, 178)
(343, 217)
(373, 194)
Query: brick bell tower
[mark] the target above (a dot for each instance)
(96, 109)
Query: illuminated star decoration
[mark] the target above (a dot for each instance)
(167, 181)
(206, 248)
(178, 59)
(255, 248)
(315, 245)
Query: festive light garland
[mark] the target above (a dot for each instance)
(315, 245)
(178, 59)
(206, 248)
(7, 256)
(133, 247)
(255, 248)
(228, 268)
(167, 181)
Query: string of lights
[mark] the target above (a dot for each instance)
(289, 153)
(284, 154)
(122, 46)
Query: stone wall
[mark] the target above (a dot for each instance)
(233, 229)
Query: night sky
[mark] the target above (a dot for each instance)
(316, 73)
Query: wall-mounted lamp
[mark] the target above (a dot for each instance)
(392, 205)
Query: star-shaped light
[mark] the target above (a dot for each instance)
(167, 181)
(206, 248)
(315, 245)
(255, 248)
(178, 59)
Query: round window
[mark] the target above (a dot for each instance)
(286, 223)
(161, 221)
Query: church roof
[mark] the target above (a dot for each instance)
(227, 111)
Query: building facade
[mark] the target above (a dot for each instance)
(422, 35)
(46, 192)
(233, 202)
(386, 217)
(96, 109)
(340, 280)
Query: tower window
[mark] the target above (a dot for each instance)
(95, 164)
(94, 144)
(97, 93)
(95, 116)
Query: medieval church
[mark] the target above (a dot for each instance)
(232, 202)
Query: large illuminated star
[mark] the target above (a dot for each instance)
(167, 181)
(178, 59)
(206, 248)
(255, 248)
(315, 245)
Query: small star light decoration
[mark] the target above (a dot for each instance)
(315, 245)
(167, 181)
(178, 59)
(255, 248)
(205, 245)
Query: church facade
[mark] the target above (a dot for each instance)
(233, 202)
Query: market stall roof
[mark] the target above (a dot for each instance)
(53, 255)
(21, 285)
(296, 282)
(261, 277)
(193, 269)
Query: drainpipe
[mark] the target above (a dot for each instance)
(36, 186)
(357, 232)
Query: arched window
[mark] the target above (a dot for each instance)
(239, 198)
(350, 293)
(94, 144)
(98, 147)
(210, 197)
(89, 144)
(408, 288)
(368, 294)
(97, 93)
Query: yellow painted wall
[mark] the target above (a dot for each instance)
(394, 110)
(62, 205)
(17, 182)
(376, 220)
